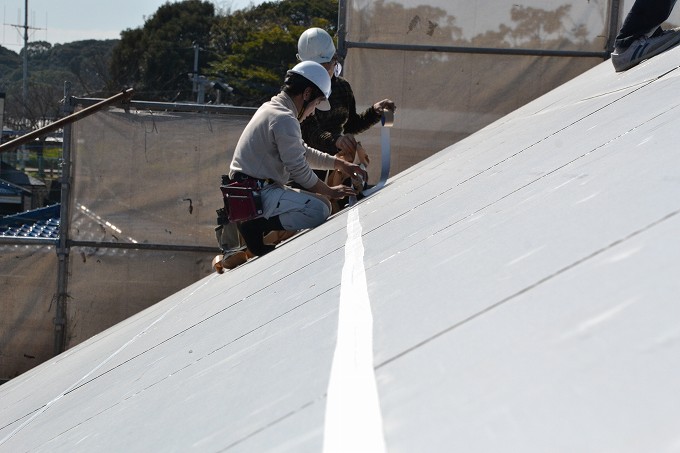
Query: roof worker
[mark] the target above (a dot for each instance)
(271, 150)
(641, 36)
(333, 131)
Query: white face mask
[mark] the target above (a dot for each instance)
(337, 70)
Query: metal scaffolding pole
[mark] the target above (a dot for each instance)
(342, 28)
(614, 23)
(63, 244)
(64, 224)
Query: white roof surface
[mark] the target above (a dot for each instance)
(517, 291)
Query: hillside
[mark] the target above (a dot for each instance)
(83, 63)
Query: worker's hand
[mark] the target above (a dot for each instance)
(351, 170)
(348, 154)
(337, 192)
(347, 144)
(385, 104)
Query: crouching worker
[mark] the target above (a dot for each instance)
(271, 151)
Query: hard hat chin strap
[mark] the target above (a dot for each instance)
(305, 103)
(302, 110)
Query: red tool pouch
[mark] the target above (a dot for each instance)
(242, 200)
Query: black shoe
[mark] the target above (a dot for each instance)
(254, 230)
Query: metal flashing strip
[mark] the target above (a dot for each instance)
(387, 121)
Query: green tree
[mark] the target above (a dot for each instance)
(157, 59)
(255, 47)
(249, 49)
(87, 61)
(8, 61)
(127, 59)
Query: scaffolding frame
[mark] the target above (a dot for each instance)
(64, 243)
(613, 25)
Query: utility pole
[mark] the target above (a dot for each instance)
(196, 49)
(26, 28)
(24, 86)
(199, 84)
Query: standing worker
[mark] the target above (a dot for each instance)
(271, 151)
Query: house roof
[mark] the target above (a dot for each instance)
(38, 223)
(7, 188)
(517, 291)
(10, 174)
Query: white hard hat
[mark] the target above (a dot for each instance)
(318, 75)
(315, 45)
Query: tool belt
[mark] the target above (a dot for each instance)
(242, 198)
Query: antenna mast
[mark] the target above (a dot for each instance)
(24, 86)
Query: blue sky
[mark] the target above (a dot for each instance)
(61, 21)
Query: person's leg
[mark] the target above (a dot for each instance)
(641, 36)
(254, 230)
(643, 19)
(286, 209)
(299, 209)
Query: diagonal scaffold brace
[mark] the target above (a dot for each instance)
(123, 96)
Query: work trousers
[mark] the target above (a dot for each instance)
(642, 20)
(297, 209)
